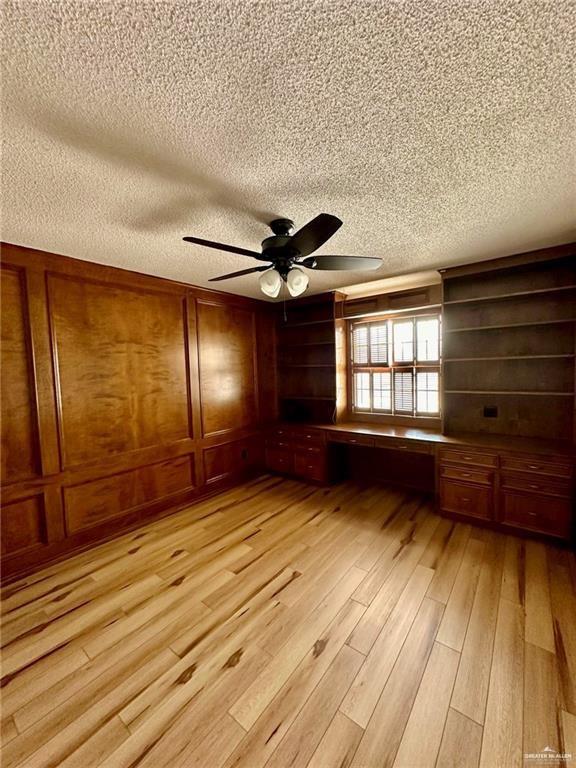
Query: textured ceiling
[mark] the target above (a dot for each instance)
(441, 132)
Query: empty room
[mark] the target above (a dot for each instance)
(288, 357)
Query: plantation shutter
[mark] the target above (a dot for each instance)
(379, 344)
(403, 391)
(360, 345)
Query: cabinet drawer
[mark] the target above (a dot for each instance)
(469, 457)
(536, 484)
(465, 499)
(351, 439)
(280, 433)
(279, 460)
(536, 513)
(561, 468)
(302, 438)
(409, 446)
(310, 466)
(479, 476)
(276, 442)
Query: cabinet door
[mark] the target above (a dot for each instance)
(279, 460)
(545, 514)
(310, 466)
(463, 499)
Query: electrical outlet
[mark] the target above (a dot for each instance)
(490, 412)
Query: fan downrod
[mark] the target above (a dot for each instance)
(282, 227)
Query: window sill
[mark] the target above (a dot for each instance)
(424, 422)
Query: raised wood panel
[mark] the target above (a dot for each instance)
(23, 525)
(227, 349)
(102, 417)
(19, 452)
(90, 504)
(125, 351)
(234, 458)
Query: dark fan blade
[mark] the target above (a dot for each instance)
(224, 247)
(341, 262)
(239, 274)
(315, 233)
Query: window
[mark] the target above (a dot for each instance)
(395, 366)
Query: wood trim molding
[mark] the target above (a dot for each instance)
(136, 461)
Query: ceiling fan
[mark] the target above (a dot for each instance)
(287, 253)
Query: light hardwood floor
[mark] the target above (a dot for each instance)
(284, 625)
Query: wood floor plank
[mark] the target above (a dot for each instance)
(383, 734)
(568, 734)
(457, 614)
(446, 568)
(192, 724)
(301, 740)
(338, 745)
(539, 629)
(269, 730)
(563, 611)
(57, 735)
(542, 724)
(502, 739)
(364, 693)
(33, 681)
(215, 749)
(471, 686)
(514, 576)
(112, 658)
(423, 733)
(96, 750)
(253, 702)
(383, 604)
(461, 742)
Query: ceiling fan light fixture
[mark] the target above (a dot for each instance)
(297, 281)
(270, 283)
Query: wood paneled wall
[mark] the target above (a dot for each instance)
(122, 395)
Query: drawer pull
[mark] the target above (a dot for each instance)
(465, 474)
(534, 466)
(467, 458)
(465, 499)
(532, 514)
(534, 486)
(351, 441)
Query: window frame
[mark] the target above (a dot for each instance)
(413, 366)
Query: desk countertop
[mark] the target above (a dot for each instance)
(496, 442)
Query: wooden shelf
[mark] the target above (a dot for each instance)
(306, 397)
(504, 392)
(509, 325)
(307, 322)
(306, 365)
(505, 358)
(504, 296)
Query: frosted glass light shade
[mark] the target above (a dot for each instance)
(270, 283)
(297, 282)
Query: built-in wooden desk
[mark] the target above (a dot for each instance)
(510, 482)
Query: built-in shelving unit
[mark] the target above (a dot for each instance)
(311, 358)
(509, 348)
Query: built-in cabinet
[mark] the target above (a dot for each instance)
(299, 452)
(523, 491)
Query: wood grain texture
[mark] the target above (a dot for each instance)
(461, 742)
(502, 741)
(124, 351)
(148, 649)
(228, 380)
(102, 405)
(19, 444)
